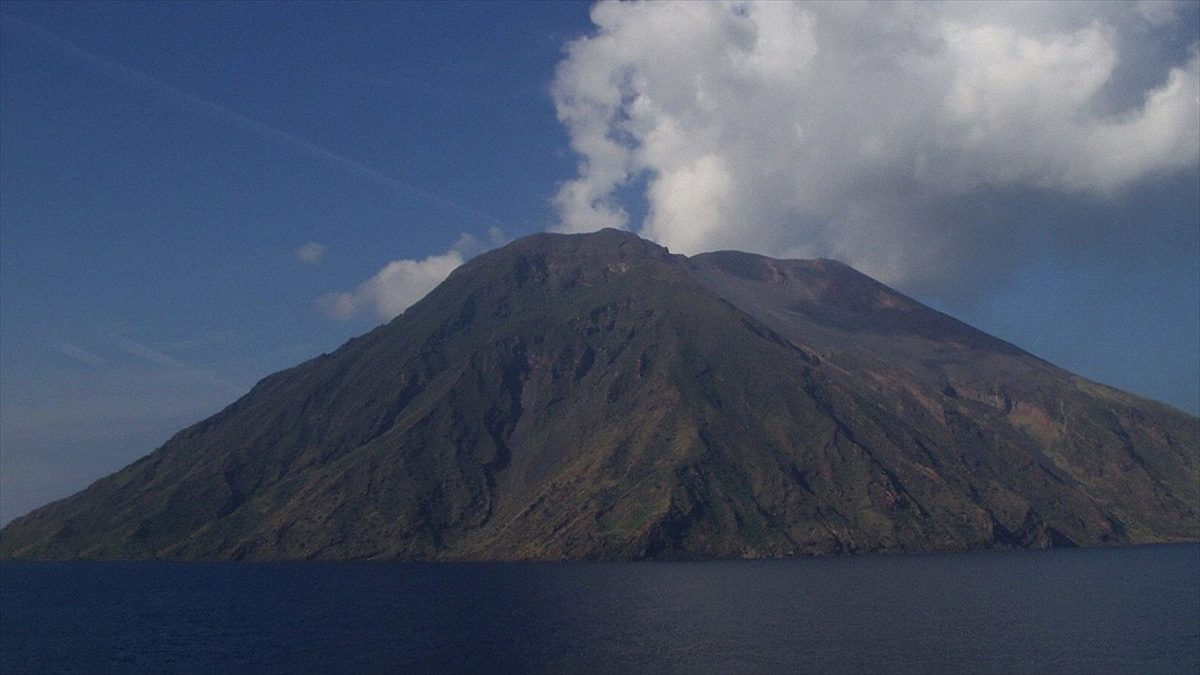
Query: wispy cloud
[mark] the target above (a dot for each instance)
(153, 356)
(310, 253)
(169, 362)
(80, 354)
(137, 79)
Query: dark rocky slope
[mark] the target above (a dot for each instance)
(593, 396)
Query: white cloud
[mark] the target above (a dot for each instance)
(401, 283)
(394, 288)
(875, 133)
(310, 253)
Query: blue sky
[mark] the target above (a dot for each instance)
(164, 165)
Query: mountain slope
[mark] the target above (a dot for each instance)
(593, 396)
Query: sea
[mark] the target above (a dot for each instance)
(1105, 610)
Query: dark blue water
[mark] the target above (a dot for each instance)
(1089, 611)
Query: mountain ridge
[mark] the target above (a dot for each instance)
(595, 396)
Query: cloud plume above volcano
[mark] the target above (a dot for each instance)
(893, 136)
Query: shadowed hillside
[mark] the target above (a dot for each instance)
(593, 396)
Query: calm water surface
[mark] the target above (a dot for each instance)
(1090, 611)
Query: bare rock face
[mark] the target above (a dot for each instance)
(593, 396)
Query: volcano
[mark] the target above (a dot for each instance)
(596, 397)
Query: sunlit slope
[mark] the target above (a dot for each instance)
(592, 396)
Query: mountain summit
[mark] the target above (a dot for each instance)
(594, 396)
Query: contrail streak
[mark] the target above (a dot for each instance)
(138, 80)
(173, 364)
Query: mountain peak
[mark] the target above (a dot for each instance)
(601, 242)
(595, 396)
